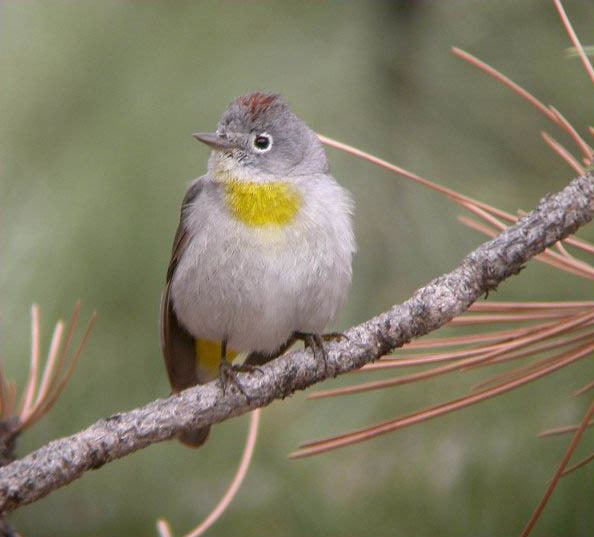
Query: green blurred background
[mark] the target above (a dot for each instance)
(97, 105)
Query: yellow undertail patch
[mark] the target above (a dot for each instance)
(208, 356)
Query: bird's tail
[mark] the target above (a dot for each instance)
(208, 357)
(188, 361)
(194, 438)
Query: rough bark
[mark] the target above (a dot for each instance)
(64, 460)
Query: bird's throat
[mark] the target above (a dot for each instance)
(262, 204)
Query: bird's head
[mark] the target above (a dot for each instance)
(259, 139)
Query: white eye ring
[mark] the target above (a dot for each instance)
(262, 143)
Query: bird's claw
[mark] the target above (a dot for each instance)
(228, 375)
(247, 368)
(334, 336)
(315, 342)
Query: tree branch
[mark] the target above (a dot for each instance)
(64, 460)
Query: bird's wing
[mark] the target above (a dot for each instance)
(178, 346)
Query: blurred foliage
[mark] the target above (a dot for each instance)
(98, 102)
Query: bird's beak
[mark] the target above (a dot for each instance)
(213, 140)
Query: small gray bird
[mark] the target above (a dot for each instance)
(263, 251)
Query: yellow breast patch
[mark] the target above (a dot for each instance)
(262, 204)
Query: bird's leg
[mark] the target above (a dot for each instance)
(315, 342)
(228, 372)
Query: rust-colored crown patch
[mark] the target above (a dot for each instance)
(258, 102)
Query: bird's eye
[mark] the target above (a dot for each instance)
(262, 142)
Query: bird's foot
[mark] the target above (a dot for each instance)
(315, 342)
(247, 368)
(334, 336)
(228, 375)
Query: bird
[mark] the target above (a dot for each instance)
(263, 252)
